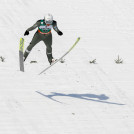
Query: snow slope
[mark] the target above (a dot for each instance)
(75, 97)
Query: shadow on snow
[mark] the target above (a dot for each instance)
(89, 97)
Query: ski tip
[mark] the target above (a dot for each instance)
(21, 38)
(78, 38)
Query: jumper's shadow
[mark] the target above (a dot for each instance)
(89, 97)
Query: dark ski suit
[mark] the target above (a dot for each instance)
(42, 34)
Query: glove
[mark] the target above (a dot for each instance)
(26, 33)
(60, 33)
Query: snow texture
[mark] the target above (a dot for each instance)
(75, 97)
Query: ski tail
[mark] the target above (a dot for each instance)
(21, 49)
(61, 56)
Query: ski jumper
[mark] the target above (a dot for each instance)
(42, 34)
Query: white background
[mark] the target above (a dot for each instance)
(75, 97)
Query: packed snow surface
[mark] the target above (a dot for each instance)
(74, 97)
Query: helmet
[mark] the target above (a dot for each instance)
(48, 19)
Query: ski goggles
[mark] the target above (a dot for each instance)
(48, 22)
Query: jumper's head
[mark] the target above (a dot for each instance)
(48, 19)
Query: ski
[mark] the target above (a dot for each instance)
(21, 49)
(61, 56)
